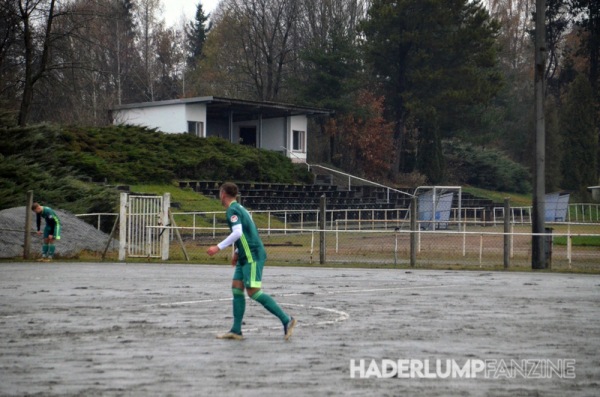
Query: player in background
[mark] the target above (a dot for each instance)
(51, 231)
(249, 258)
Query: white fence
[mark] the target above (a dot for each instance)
(581, 212)
(364, 219)
(375, 236)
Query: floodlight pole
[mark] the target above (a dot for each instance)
(538, 254)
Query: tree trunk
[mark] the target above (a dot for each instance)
(31, 76)
(398, 144)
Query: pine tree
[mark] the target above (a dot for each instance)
(580, 137)
(432, 54)
(196, 32)
(588, 17)
(331, 74)
(430, 159)
(553, 146)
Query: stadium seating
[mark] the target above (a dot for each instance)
(261, 196)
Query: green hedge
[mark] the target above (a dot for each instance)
(485, 168)
(60, 163)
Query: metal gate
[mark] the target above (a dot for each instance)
(141, 221)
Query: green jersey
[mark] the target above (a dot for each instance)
(52, 222)
(250, 247)
(49, 216)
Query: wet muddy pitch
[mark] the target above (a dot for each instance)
(92, 329)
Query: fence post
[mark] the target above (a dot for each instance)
(215, 225)
(322, 223)
(396, 247)
(27, 244)
(506, 232)
(194, 226)
(123, 227)
(165, 222)
(413, 232)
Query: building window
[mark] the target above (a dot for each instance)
(196, 128)
(299, 139)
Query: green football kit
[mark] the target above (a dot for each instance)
(248, 269)
(251, 251)
(52, 222)
(52, 228)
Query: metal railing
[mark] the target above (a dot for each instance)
(581, 212)
(464, 246)
(577, 212)
(274, 221)
(98, 215)
(352, 177)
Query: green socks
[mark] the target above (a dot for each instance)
(239, 307)
(48, 250)
(272, 306)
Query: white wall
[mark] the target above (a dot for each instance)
(298, 123)
(273, 134)
(195, 112)
(173, 118)
(278, 132)
(167, 118)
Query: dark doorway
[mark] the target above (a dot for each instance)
(248, 136)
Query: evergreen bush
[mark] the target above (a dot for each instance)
(485, 168)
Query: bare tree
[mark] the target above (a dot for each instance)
(121, 44)
(36, 19)
(170, 55)
(147, 10)
(255, 47)
(515, 19)
(264, 30)
(91, 65)
(320, 19)
(10, 48)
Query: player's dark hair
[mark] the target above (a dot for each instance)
(34, 206)
(230, 189)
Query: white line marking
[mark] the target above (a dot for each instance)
(336, 292)
(190, 302)
(358, 291)
(342, 315)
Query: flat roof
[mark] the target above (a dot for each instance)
(220, 107)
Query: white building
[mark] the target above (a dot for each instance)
(266, 125)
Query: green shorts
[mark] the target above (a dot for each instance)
(250, 273)
(52, 230)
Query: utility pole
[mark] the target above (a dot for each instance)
(538, 254)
